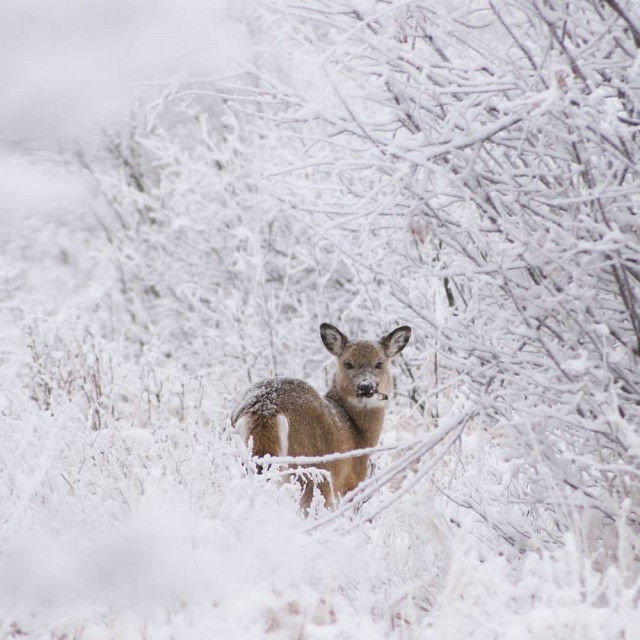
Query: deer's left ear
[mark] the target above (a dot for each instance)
(333, 339)
(394, 342)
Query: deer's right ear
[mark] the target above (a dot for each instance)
(396, 341)
(333, 339)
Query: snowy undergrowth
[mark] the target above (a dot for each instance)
(135, 530)
(163, 531)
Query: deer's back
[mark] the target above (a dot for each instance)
(316, 426)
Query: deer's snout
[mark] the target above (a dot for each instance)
(365, 388)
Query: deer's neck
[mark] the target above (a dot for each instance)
(366, 418)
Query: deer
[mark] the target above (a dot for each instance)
(286, 417)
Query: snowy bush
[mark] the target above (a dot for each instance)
(482, 163)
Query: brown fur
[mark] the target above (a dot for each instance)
(264, 433)
(344, 420)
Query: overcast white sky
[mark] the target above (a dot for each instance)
(68, 67)
(66, 64)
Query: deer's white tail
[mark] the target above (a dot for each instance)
(268, 435)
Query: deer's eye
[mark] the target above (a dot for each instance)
(348, 365)
(378, 365)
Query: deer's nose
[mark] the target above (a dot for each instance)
(365, 388)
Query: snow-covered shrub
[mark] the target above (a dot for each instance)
(481, 165)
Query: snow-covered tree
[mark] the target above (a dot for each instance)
(477, 166)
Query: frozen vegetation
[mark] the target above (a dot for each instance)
(470, 169)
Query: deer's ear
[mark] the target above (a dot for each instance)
(394, 342)
(333, 339)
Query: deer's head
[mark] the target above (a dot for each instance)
(363, 376)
